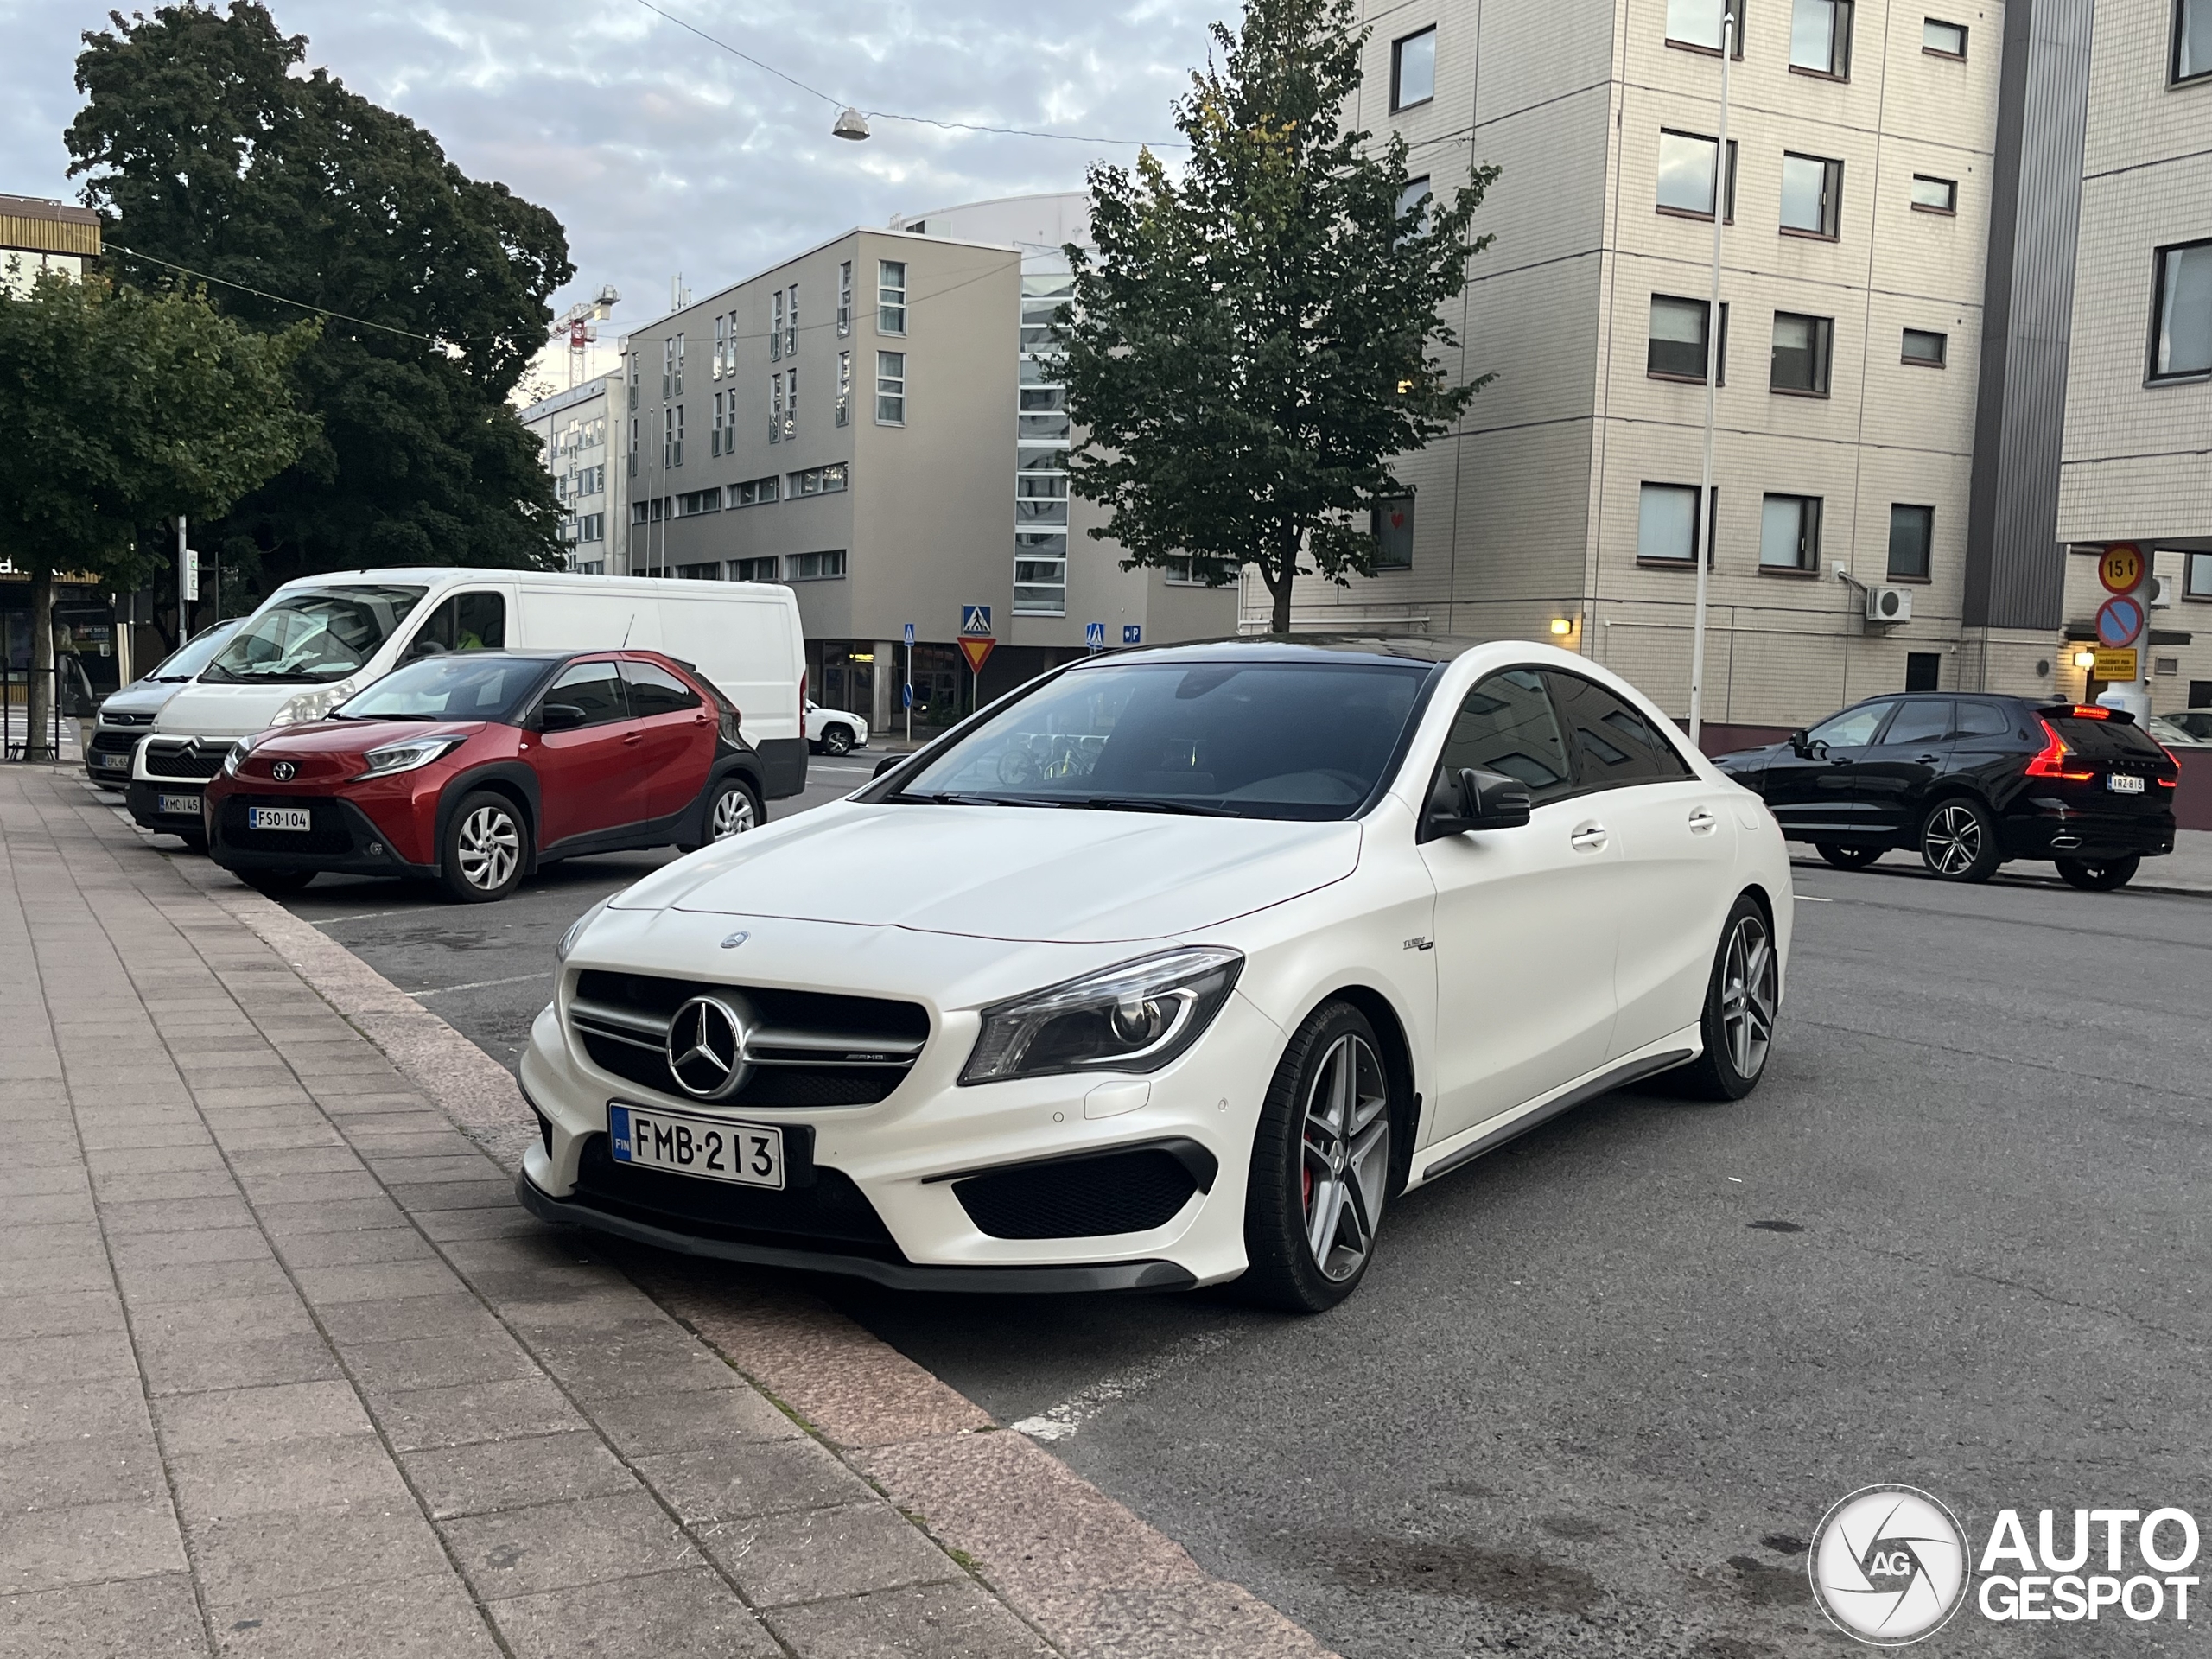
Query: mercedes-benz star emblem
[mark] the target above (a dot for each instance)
(734, 940)
(706, 1049)
(283, 770)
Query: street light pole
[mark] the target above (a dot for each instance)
(1701, 532)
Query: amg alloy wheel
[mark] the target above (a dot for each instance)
(487, 848)
(1957, 841)
(1320, 1166)
(1741, 1000)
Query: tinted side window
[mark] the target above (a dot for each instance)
(1984, 720)
(1506, 725)
(594, 688)
(656, 691)
(1921, 719)
(465, 622)
(1613, 744)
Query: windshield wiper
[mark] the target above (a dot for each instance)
(1155, 803)
(954, 798)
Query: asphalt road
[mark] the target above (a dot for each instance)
(1600, 1387)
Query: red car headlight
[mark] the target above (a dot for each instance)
(408, 756)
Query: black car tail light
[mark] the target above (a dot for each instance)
(2050, 761)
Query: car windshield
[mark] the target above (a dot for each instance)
(477, 686)
(320, 634)
(189, 658)
(1267, 739)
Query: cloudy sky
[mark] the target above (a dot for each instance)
(661, 153)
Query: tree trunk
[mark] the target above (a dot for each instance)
(1283, 578)
(38, 700)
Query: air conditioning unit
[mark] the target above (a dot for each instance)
(2162, 592)
(1889, 604)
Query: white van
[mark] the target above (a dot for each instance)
(315, 642)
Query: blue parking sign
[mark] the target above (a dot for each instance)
(1094, 635)
(1132, 633)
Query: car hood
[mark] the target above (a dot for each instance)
(1044, 874)
(205, 709)
(140, 697)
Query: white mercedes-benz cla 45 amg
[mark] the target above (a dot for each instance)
(1172, 967)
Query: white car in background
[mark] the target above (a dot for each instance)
(832, 731)
(1173, 967)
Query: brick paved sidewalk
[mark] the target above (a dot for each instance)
(285, 1371)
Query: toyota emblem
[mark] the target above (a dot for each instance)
(283, 770)
(706, 1049)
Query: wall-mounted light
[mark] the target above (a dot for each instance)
(1561, 627)
(2085, 659)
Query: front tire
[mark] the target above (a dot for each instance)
(1838, 856)
(277, 884)
(1741, 1000)
(1320, 1166)
(732, 810)
(837, 740)
(1957, 841)
(2100, 874)
(487, 848)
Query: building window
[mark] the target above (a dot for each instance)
(633, 444)
(715, 433)
(592, 527)
(1925, 347)
(776, 326)
(1820, 37)
(1678, 349)
(1942, 40)
(891, 387)
(630, 380)
(679, 365)
(1912, 531)
(1666, 525)
(1931, 195)
(1043, 414)
(819, 480)
(755, 492)
(752, 569)
(1413, 70)
(667, 369)
(844, 299)
(701, 572)
(814, 567)
(891, 297)
(672, 435)
(844, 387)
(722, 344)
(1390, 522)
(696, 502)
(790, 325)
(2196, 578)
(1685, 180)
(1923, 670)
(2192, 39)
(1803, 347)
(649, 512)
(776, 407)
(1790, 533)
(2181, 313)
(1413, 204)
(1812, 195)
(791, 403)
(1696, 24)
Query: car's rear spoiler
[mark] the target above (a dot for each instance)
(2086, 711)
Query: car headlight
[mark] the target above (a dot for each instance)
(314, 705)
(1136, 1016)
(406, 757)
(576, 932)
(239, 751)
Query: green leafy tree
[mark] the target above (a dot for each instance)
(124, 409)
(1254, 342)
(206, 143)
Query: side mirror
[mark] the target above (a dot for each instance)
(559, 717)
(885, 764)
(1800, 745)
(423, 647)
(1474, 799)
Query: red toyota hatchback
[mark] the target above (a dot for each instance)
(473, 769)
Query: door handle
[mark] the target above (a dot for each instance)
(633, 737)
(1702, 823)
(1588, 838)
(1927, 760)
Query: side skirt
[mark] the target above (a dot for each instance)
(1663, 1056)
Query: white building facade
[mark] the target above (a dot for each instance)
(581, 430)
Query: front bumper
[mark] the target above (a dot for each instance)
(344, 840)
(144, 798)
(907, 1165)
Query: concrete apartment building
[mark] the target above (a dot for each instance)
(582, 429)
(1861, 201)
(2138, 456)
(862, 422)
(37, 234)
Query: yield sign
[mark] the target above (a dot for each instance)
(976, 648)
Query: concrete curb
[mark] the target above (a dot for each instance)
(1078, 1567)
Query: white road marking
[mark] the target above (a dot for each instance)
(481, 984)
(841, 768)
(1807, 898)
(1057, 1422)
(366, 916)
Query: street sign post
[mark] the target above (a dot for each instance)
(975, 642)
(2120, 569)
(2120, 622)
(907, 695)
(1132, 634)
(1094, 636)
(2114, 667)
